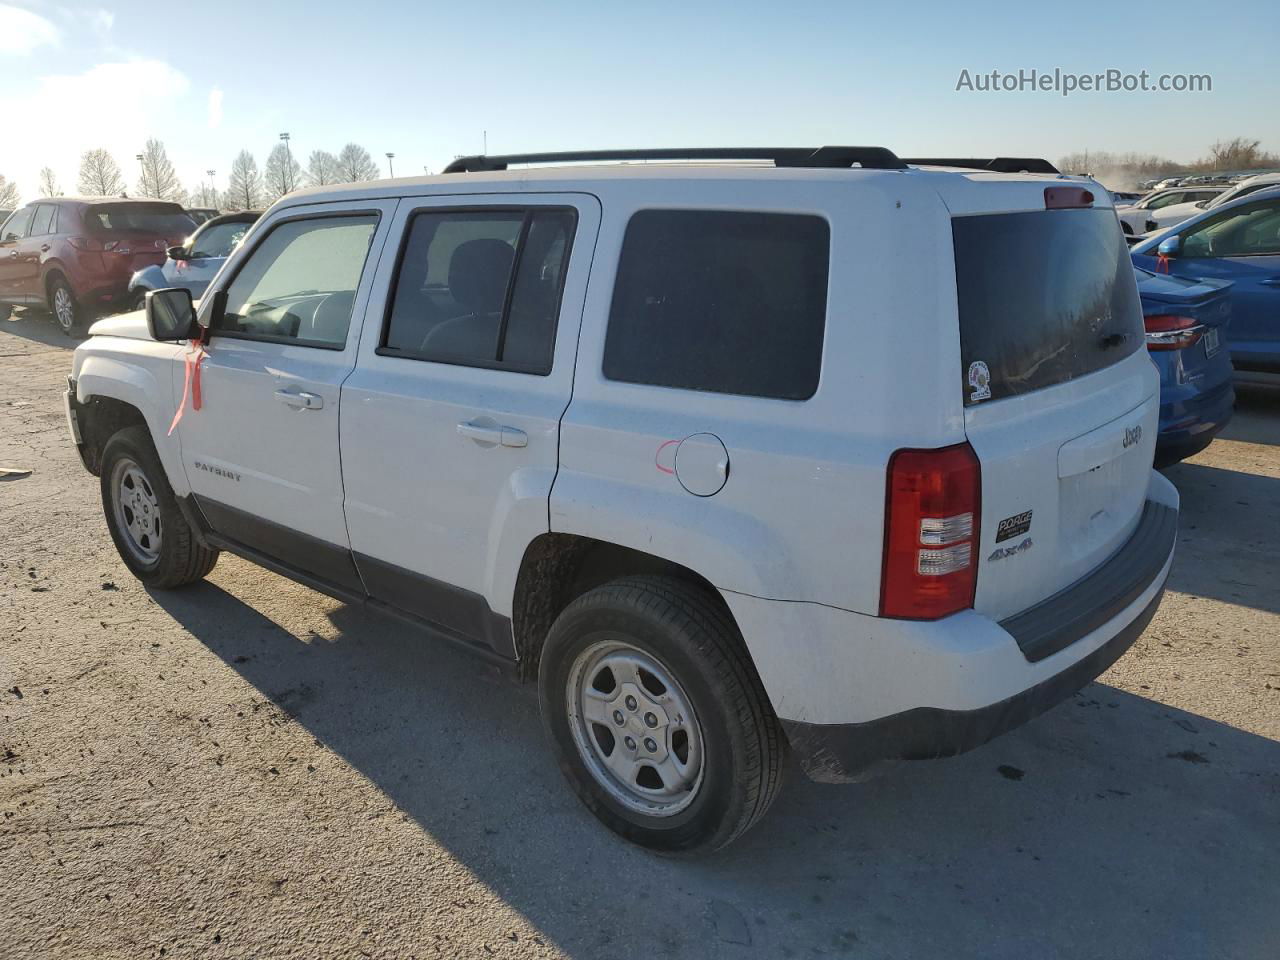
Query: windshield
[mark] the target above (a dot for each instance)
(218, 240)
(164, 219)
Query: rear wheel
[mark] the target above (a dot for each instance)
(138, 300)
(657, 717)
(63, 306)
(151, 534)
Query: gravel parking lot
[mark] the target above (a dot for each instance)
(249, 769)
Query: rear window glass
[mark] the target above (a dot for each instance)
(1044, 297)
(165, 219)
(725, 302)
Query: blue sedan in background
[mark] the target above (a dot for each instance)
(1238, 242)
(1186, 328)
(195, 263)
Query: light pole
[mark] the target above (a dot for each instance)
(213, 190)
(391, 167)
(142, 167)
(288, 172)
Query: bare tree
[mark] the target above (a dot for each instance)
(1238, 153)
(281, 173)
(99, 174)
(322, 168)
(158, 177)
(355, 164)
(8, 194)
(49, 183)
(244, 187)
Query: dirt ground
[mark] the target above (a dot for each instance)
(249, 769)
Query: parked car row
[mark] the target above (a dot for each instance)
(75, 256)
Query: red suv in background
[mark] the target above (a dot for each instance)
(75, 256)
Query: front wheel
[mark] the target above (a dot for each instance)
(657, 717)
(151, 534)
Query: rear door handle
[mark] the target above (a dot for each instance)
(44, 248)
(300, 399)
(1270, 282)
(484, 431)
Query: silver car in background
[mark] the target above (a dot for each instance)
(197, 262)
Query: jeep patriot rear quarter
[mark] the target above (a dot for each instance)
(728, 457)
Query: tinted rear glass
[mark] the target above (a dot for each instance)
(1044, 297)
(725, 302)
(163, 219)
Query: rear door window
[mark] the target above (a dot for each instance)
(481, 288)
(1250, 231)
(42, 224)
(1044, 297)
(719, 301)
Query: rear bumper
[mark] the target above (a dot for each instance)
(857, 693)
(836, 753)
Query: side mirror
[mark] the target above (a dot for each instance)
(178, 252)
(1170, 246)
(171, 315)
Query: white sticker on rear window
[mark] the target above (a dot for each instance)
(979, 381)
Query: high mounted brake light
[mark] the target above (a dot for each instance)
(1067, 198)
(1169, 332)
(931, 528)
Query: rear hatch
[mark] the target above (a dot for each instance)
(136, 233)
(1061, 400)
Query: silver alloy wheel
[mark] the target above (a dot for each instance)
(64, 308)
(137, 511)
(635, 728)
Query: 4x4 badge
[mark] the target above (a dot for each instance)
(1001, 552)
(979, 381)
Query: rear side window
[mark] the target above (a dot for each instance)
(723, 302)
(1044, 297)
(481, 288)
(166, 219)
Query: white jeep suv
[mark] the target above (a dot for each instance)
(815, 451)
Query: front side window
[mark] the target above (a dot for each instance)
(299, 284)
(481, 288)
(15, 227)
(1165, 200)
(1249, 232)
(720, 301)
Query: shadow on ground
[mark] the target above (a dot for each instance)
(1227, 536)
(1257, 415)
(1112, 826)
(39, 327)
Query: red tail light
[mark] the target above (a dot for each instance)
(1168, 332)
(931, 533)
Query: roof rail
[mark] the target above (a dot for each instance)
(875, 158)
(993, 164)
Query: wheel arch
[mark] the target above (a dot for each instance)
(113, 394)
(557, 568)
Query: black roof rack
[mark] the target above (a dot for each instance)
(993, 164)
(875, 158)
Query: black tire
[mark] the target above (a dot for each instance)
(138, 300)
(66, 311)
(690, 634)
(179, 558)
(1126, 229)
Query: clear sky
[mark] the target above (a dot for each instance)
(425, 78)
